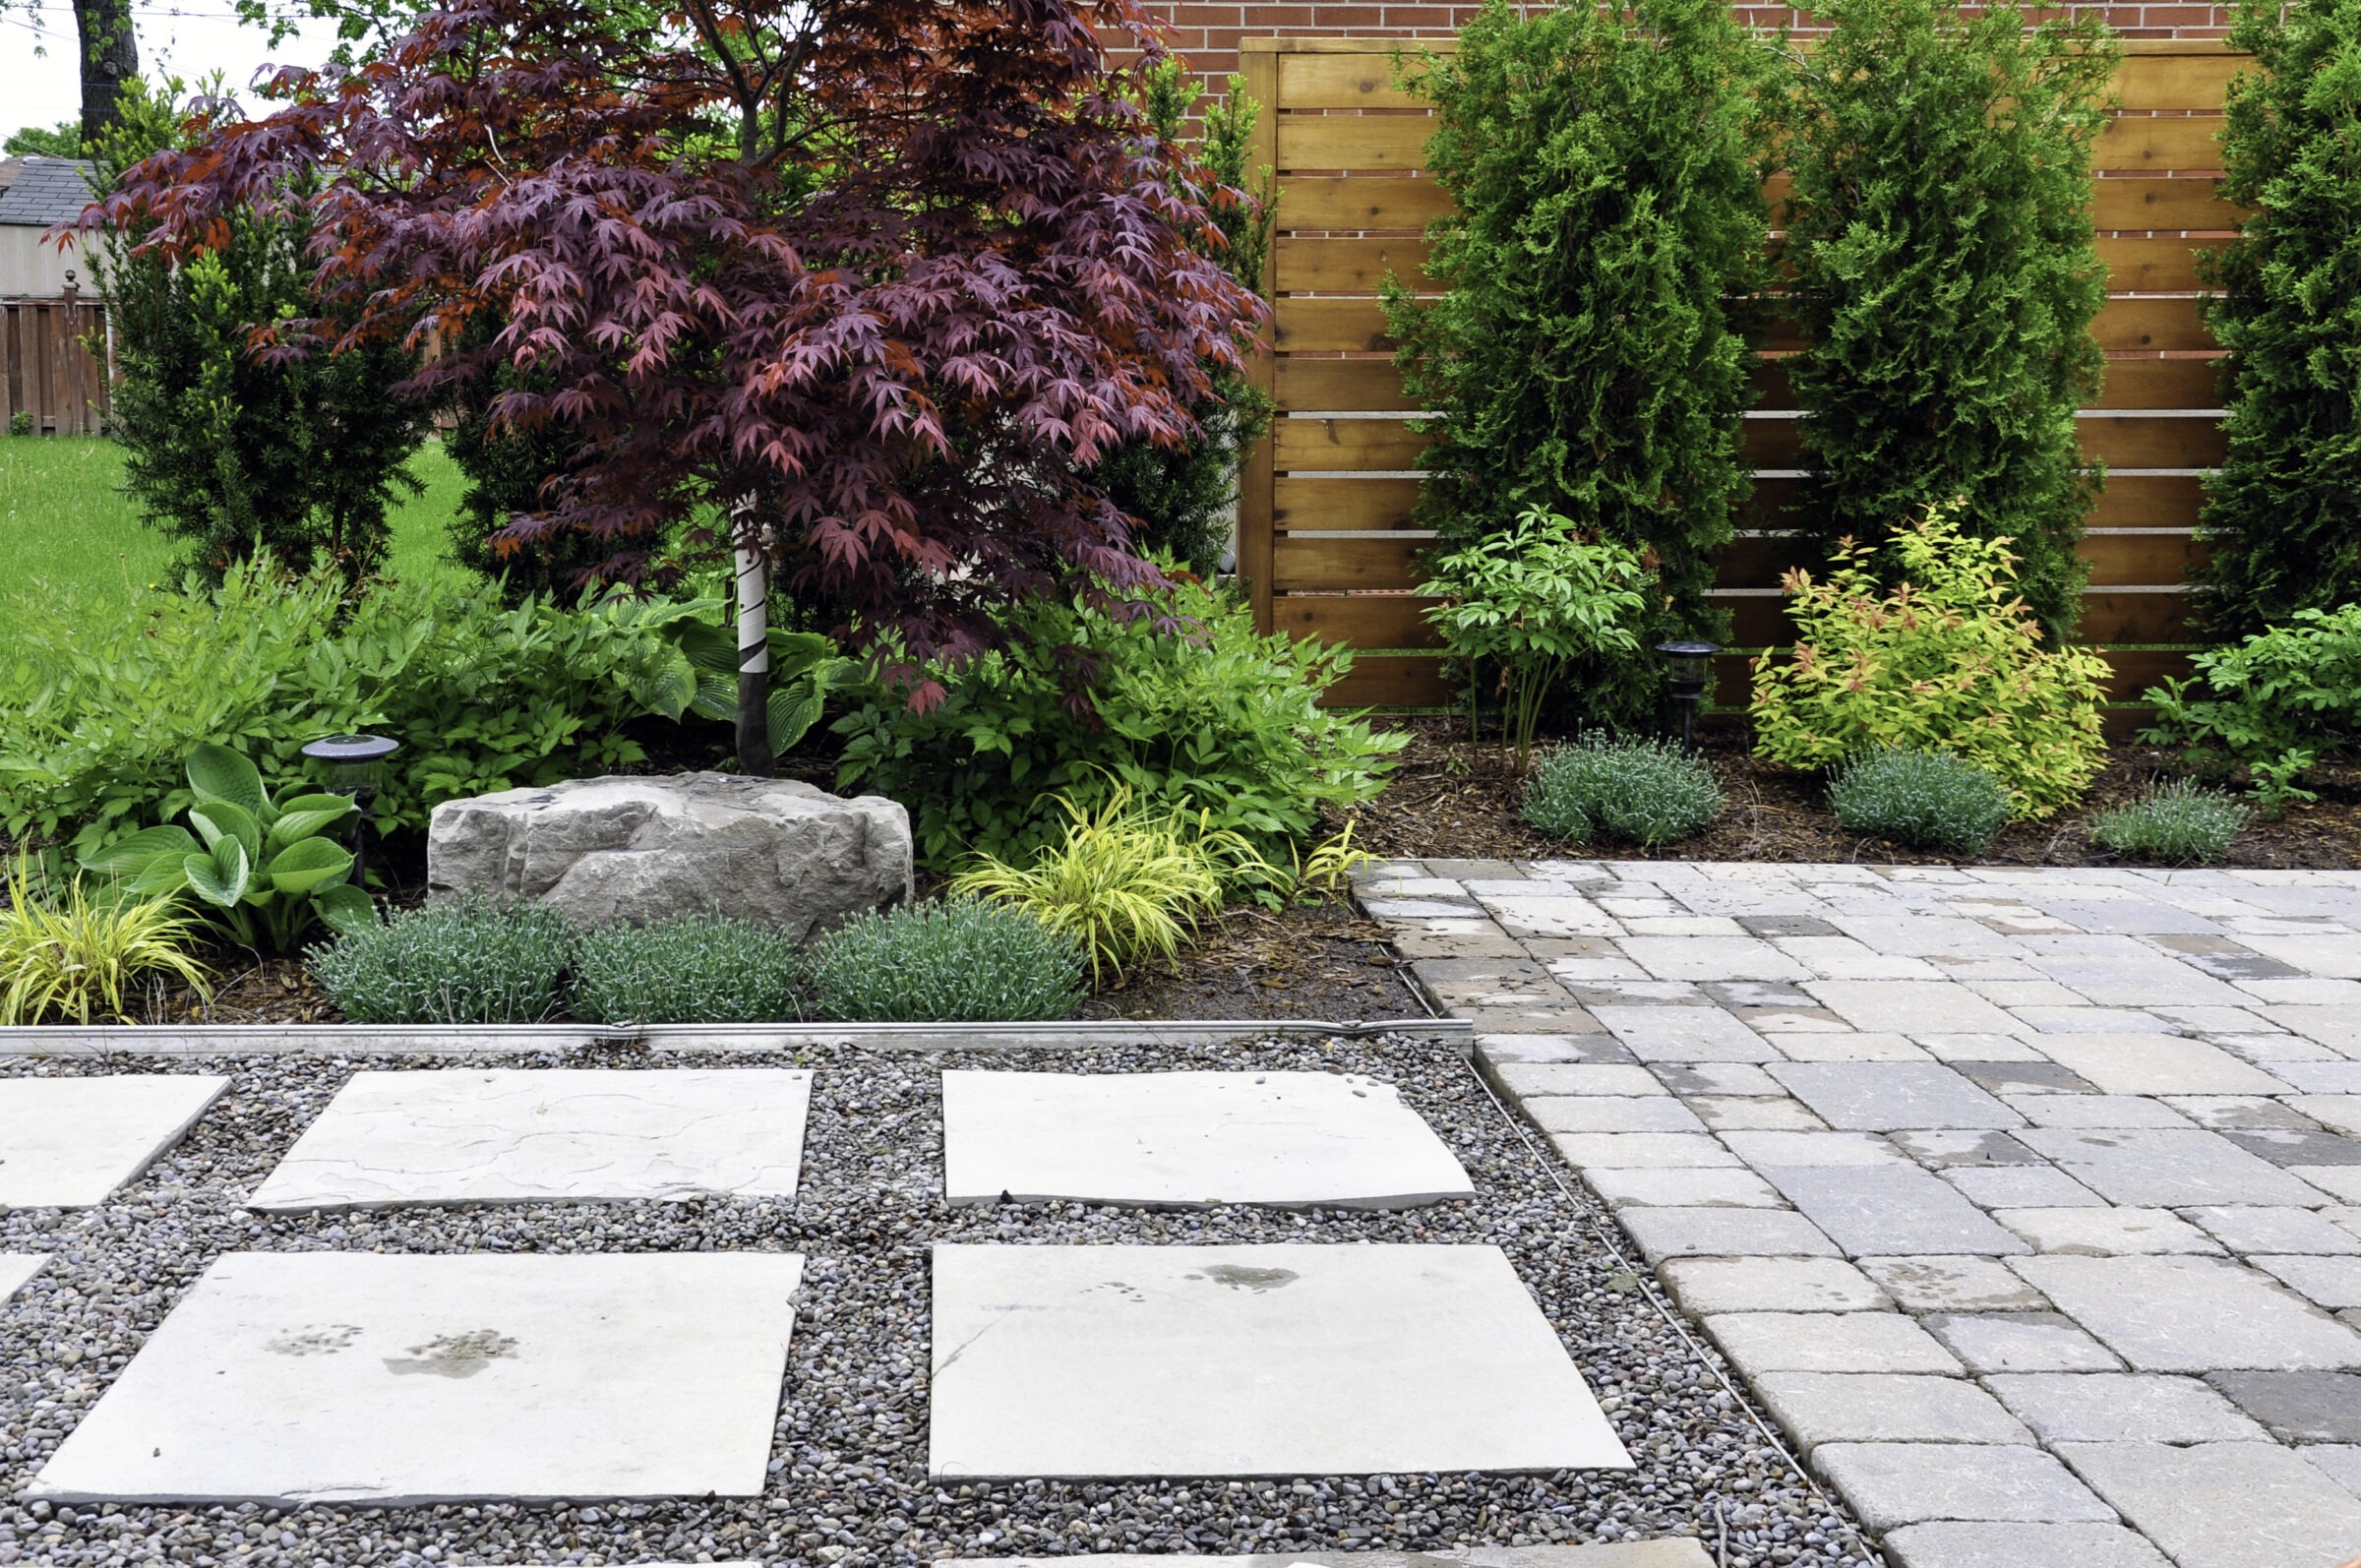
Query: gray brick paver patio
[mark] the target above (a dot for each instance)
(2028, 1199)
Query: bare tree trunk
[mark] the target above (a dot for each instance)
(110, 57)
(755, 754)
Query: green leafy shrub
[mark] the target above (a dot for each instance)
(1524, 605)
(1187, 707)
(266, 871)
(2278, 520)
(1633, 791)
(1585, 358)
(74, 955)
(1951, 661)
(959, 961)
(2274, 705)
(695, 969)
(470, 961)
(1945, 276)
(1927, 800)
(101, 697)
(2179, 824)
(1127, 883)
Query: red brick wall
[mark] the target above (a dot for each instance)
(1208, 34)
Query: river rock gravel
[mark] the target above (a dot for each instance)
(848, 1485)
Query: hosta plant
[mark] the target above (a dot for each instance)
(1950, 661)
(79, 956)
(264, 871)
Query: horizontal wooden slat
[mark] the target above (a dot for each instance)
(2150, 440)
(2165, 324)
(1335, 386)
(1756, 619)
(1347, 81)
(2162, 383)
(1328, 564)
(2161, 264)
(2138, 669)
(2135, 617)
(1365, 620)
(1359, 505)
(1760, 561)
(2139, 559)
(1402, 681)
(1346, 264)
(1345, 444)
(2146, 500)
(1323, 326)
(2172, 206)
(1381, 202)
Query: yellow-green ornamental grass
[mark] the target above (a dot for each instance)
(74, 957)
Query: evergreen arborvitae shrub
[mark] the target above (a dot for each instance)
(1945, 276)
(1584, 358)
(2283, 515)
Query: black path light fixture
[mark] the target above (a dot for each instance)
(1688, 667)
(356, 766)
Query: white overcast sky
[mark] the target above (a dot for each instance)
(40, 84)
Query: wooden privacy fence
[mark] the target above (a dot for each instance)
(1326, 537)
(50, 372)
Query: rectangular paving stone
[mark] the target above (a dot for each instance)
(2168, 1168)
(2106, 1232)
(2225, 1505)
(2186, 1314)
(1828, 1342)
(1877, 1211)
(531, 1136)
(1715, 1078)
(2333, 1282)
(1634, 1150)
(1770, 1285)
(397, 1380)
(1884, 1097)
(1889, 1484)
(1946, 1151)
(1908, 1007)
(1754, 1114)
(2153, 1065)
(17, 1269)
(1760, 1149)
(1284, 1361)
(1957, 1543)
(2020, 1341)
(1842, 958)
(2100, 1110)
(2039, 1076)
(2297, 1407)
(1684, 1034)
(1530, 1080)
(2292, 1150)
(1712, 958)
(2341, 1113)
(71, 1142)
(1839, 1044)
(1715, 1231)
(1676, 1187)
(2262, 1230)
(2120, 1407)
(1590, 1046)
(1189, 1139)
(2341, 1462)
(2135, 982)
(1952, 1284)
(2020, 1186)
(1818, 1408)
(1525, 914)
(1611, 1113)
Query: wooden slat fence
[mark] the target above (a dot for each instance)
(1325, 538)
(46, 368)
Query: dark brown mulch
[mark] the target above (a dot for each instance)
(1311, 961)
(1449, 799)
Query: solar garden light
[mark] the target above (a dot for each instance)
(1688, 667)
(356, 766)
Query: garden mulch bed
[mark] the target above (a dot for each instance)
(1453, 800)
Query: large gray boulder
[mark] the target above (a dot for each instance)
(640, 849)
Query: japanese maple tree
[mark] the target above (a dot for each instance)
(875, 281)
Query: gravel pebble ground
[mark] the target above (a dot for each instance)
(848, 1482)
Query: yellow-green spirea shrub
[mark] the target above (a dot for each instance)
(1950, 661)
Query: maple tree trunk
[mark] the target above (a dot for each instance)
(752, 579)
(110, 57)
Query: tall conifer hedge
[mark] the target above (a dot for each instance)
(2282, 516)
(1584, 358)
(1945, 276)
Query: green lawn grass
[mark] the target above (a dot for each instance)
(65, 523)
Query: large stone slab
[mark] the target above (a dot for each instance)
(1183, 1139)
(2168, 1168)
(2191, 1314)
(557, 1135)
(1904, 1484)
(2225, 1505)
(634, 850)
(1886, 1096)
(1092, 1362)
(71, 1142)
(395, 1380)
(17, 1269)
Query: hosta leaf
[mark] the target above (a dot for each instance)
(222, 877)
(129, 857)
(345, 908)
(218, 821)
(217, 773)
(308, 863)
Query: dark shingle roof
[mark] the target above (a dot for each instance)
(45, 191)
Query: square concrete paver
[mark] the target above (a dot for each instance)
(2333, 1282)
(2225, 1505)
(531, 1136)
(1886, 1096)
(1190, 1138)
(1987, 1544)
(2120, 1407)
(1880, 1211)
(2298, 1407)
(2279, 1230)
(2189, 1314)
(1684, 1034)
(2153, 1065)
(2022, 1186)
(2020, 1341)
(1770, 1285)
(1913, 1006)
(1952, 1284)
(1662, 1188)
(1121, 1361)
(18, 1268)
(68, 1142)
(1659, 1112)
(2169, 1169)
(1720, 1232)
(2106, 1232)
(1828, 1342)
(395, 1380)
(1904, 1484)
(1819, 1408)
